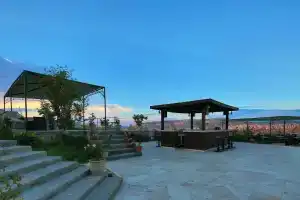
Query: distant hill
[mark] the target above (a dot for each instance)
(252, 113)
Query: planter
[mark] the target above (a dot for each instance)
(138, 148)
(97, 167)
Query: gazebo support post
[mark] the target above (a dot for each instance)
(283, 127)
(162, 120)
(226, 119)
(270, 127)
(192, 120)
(203, 120)
(25, 98)
(104, 96)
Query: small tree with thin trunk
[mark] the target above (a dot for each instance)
(138, 119)
(63, 100)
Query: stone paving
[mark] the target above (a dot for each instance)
(250, 172)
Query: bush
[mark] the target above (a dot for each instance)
(29, 139)
(69, 153)
(140, 138)
(6, 191)
(5, 129)
(6, 133)
(78, 142)
(240, 138)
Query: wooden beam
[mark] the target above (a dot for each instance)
(162, 120)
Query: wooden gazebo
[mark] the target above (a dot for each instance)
(194, 139)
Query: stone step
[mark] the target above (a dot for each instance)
(44, 174)
(6, 143)
(80, 189)
(107, 189)
(10, 149)
(30, 165)
(56, 185)
(104, 137)
(21, 156)
(118, 146)
(120, 151)
(116, 141)
(123, 155)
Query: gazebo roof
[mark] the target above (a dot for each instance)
(35, 86)
(196, 106)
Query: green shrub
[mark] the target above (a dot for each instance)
(140, 138)
(6, 134)
(240, 138)
(6, 191)
(68, 153)
(29, 139)
(5, 129)
(79, 142)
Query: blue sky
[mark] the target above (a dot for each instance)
(245, 53)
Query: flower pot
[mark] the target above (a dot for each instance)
(97, 167)
(138, 148)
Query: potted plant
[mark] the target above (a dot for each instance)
(97, 162)
(107, 146)
(138, 147)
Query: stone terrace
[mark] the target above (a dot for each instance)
(250, 172)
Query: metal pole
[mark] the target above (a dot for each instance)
(83, 112)
(105, 120)
(4, 103)
(283, 127)
(11, 104)
(25, 97)
(270, 127)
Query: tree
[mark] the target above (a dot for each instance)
(92, 119)
(138, 119)
(104, 122)
(116, 122)
(45, 110)
(64, 101)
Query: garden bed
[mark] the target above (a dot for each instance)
(70, 148)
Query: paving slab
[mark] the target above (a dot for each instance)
(249, 172)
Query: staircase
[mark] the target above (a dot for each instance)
(48, 177)
(118, 148)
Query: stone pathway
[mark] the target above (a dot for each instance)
(250, 172)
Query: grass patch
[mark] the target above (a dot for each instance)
(70, 148)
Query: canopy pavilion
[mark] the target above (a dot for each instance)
(194, 139)
(30, 85)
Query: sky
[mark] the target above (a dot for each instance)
(243, 53)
